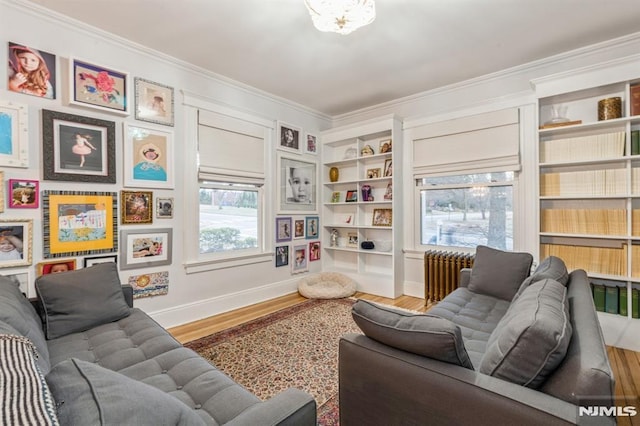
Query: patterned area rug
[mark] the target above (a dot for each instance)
(294, 347)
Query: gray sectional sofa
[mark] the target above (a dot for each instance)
(96, 360)
(504, 348)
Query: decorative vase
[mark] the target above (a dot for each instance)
(609, 108)
(334, 173)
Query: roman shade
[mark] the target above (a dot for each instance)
(230, 149)
(479, 143)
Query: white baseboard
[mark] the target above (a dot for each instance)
(183, 314)
(414, 288)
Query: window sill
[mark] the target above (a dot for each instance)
(195, 266)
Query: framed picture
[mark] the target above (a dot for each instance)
(100, 87)
(137, 207)
(352, 239)
(296, 185)
(352, 196)
(282, 256)
(31, 71)
(382, 217)
(311, 144)
(388, 167)
(298, 226)
(283, 229)
(2, 192)
(90, 261)
(23, 193)
(335, 197)
(154, 102)
(373, 173)
(147, 285)
(385, 146)
(314, 251)
(14, 135)
(55, 266)
(79, 149)
(22, 278)
(388, 194)
(312, 225)
(79, 223)
(289, 137)
(164, 208)
(16, 242)
(148, 157)
(300, 263)
(144, 248)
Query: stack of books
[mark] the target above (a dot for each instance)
(613, 299)
(601, 260)
(585, 221)
(592, 147)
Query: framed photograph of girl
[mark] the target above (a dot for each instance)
(16, 239)
(24, 194)
(154, 102)
(282, 256)
(289, 137)
(300, 263)
(31, 71)
(311, 144)
(283, 229)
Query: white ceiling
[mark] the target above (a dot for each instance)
(412, 46)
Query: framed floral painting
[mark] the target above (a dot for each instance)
(100, 87)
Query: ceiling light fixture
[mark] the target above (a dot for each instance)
(341, 16)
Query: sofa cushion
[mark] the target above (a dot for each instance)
(26, 398)
(421, 334)
(18, 316)
(499, 273)
(88, 394)
(532, 338)
(552, 267)
(78, 300)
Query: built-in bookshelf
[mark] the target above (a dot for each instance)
(589, 178)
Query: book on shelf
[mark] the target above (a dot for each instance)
(635, 142)
(634, 99)
(599, 297)
(622, 301)
(634, 303)
(605, 145)
(611, 299)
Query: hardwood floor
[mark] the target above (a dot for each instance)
(625, 363)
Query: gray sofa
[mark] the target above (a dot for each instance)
(108, 363)
(504, 348)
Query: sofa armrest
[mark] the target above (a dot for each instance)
(292, 407)
(465, 276)
(127, 290)
(383, 385)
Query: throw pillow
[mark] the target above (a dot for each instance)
(421, 334)
(552, 267)
(499, 273)
(88, 394)
(79, 300)
(26, 398)
(531, 340)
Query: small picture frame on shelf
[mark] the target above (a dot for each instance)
(382, 217)
(385, 146)
(366, 151)
(335, 197)
(388, 194)
(388, 167)
(352, 239)
(352, 196)
(373, 173)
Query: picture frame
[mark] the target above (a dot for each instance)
(373, 173)
(2, 192)
(297, 185)
(300, 262)
(289, 137)
(352, 239)
(314, 251)
(335, 196)
(23, 193)
(282, 256)
(164, 207)
(388, 194)
(22, 278)
(352, 196)
(98, 87)
(148, 157)
(385, 146)
(154, 102)
(77, 148)
(16, 242)
(45, 72)
(312, 226)
(388, 167)
(283, 229)
(382, 217)
(136, 206)
(95, 260)
(14, 135)
(298, 228)
(55, 266)
(78, 223)
(310, 144)
(148, 285)
(142, 248)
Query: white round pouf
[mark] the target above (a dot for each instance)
(326, 285)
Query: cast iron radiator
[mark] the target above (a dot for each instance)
(442, 272)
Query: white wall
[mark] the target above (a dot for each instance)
(190, 296)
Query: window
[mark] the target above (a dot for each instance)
(467, 210)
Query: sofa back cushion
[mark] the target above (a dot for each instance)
(421, 334)
(531, 340)
(499, 273)
(552, 267)
(18, 316)
(79, 300)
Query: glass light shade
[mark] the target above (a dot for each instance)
(341, 16)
